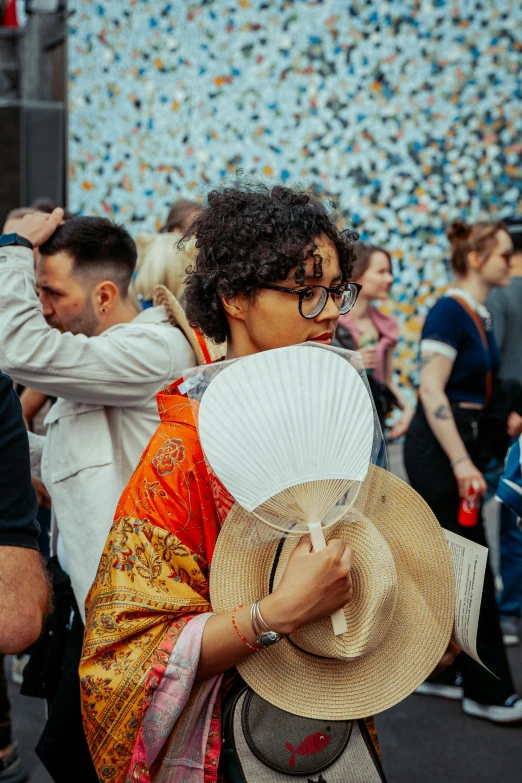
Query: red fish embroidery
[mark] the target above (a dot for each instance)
(312, 744)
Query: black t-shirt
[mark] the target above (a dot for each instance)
(452, 332)
(18, 506)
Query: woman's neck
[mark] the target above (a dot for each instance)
(361, 308)
(475, 286)
(238, 343)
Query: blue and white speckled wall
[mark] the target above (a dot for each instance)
(407, 112)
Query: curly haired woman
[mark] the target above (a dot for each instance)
(272, 270)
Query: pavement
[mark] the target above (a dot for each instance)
(423, 739)
(429, 740)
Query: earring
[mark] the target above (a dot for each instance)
(102, 310)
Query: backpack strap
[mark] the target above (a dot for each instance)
(480, 328)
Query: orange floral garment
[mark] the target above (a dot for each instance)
(152, 579)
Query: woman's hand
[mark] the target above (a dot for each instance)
(401, 426)
(466, 473)
(313, 586)
(514, 425)
(369, 357)
(447, 659)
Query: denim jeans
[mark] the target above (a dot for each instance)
(510, 601)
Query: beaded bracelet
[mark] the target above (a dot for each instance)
(236, 629)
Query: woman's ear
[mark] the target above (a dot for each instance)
(235, 306)
(475, 260)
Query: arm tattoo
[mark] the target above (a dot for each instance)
(426, 359)
(442, 412)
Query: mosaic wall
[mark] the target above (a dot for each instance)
(407, 113)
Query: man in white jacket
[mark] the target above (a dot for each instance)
(103, 360)
(82, 341)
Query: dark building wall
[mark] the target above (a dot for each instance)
(32, 112)
(10, 159)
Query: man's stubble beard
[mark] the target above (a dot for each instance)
(85, 322)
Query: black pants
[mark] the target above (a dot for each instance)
(5, 708)
(52, 673)
(431, 476)
(62, 747)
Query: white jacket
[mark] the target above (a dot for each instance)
(106, 411)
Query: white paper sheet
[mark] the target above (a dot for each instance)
(469, 564)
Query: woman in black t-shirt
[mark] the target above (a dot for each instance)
(459, 358)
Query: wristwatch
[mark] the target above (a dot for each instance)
(15, 239)
(265, 636)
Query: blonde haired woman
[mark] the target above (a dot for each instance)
(160, 262)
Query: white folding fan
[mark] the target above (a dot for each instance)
(289, 433)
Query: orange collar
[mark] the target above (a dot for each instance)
(174, 406)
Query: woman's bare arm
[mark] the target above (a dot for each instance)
(435, 372)
(434, 375)
(313, 586)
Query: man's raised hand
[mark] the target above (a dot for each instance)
(39, 226)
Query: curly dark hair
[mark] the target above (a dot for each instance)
(252, 235)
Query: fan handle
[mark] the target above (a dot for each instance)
(319, 542)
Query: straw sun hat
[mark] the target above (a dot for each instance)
(206, 351)
(399, 620)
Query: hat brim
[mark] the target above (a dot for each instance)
(206, 351)
(333, 689)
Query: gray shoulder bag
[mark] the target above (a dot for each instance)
(263, 744)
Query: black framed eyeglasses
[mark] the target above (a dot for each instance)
(313, 298)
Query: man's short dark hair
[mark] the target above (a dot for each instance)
(96, 245)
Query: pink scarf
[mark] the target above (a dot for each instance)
(387, 329)
(179, 715)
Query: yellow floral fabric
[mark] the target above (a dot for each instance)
(152, 578)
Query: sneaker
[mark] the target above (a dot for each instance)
(509, 712)
(445, 690)
(11, 770)
(510, 630)
(453, 692)
(17, 668)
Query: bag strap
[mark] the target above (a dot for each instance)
(480, 328)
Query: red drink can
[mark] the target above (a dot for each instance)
(469, 508)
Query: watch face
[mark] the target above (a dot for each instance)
(268, 638)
